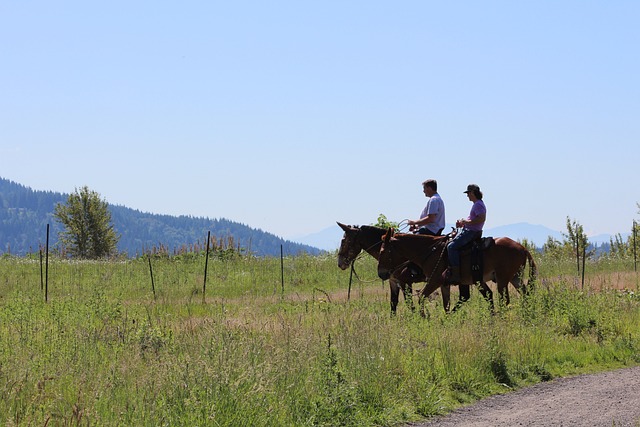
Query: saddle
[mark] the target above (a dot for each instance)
(477, 248)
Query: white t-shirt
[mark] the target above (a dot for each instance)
(435, 206)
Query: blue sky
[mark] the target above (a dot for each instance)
(288, 116)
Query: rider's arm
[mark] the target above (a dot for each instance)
(423, 221)
(477, 220)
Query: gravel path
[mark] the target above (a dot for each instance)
(606, 399)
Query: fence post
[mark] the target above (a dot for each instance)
(153, 286)
(584, 257)
(41, 270)
(46, 269)
(206, 264)
(635, 258)
(282, 268)
(578, 252)
(350, 280)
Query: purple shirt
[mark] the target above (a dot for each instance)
(477, 209)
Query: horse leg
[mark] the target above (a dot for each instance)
(406, 279)
(446, 297)
(487, 294)
(394, 287)
(518, 283)
(428, 289)
(503, 291)
(423, 310)
(408, 296)
(465, 293)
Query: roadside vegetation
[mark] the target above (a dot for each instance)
(288, 344)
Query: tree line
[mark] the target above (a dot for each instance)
(85, 226)
(25, 213)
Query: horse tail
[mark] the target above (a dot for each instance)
(533, 272)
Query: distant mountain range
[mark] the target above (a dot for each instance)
(25, 213)
(329, 238)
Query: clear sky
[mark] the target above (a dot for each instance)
(290, 115)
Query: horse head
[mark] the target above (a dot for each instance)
(387, 262)
(349, 246)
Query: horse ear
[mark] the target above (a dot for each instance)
(344, 227)
(388, 235)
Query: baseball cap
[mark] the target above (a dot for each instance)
(472, 187)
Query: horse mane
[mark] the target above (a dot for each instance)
(370, 238)
(373, 229)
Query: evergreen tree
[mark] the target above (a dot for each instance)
(89, 233)
(25, 213)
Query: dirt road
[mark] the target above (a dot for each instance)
(609, 399)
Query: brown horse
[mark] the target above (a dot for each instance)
(504, 262)
(369, 239)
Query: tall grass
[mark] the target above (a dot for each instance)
(104, 351)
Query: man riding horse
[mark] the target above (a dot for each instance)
(432, 219)
(432, 223)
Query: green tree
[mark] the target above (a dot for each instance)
(385, 223)
(577, 238)
(635, 235)
(556, 249)
(618, 248)
(529, 245)
(89, 233)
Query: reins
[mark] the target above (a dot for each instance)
(403, 225)
(360, 254)
(444, 247)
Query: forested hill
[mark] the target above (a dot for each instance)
(25, 213)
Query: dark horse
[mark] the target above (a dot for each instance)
(368, 238)
(504, 261)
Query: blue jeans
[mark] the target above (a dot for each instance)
(425, 230)
(462, 238)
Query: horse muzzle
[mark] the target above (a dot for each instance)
(383, 273)
(343, 263)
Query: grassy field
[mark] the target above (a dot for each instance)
(108, 349)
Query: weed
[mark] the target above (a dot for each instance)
(103, 351)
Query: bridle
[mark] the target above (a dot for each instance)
(360, 253)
